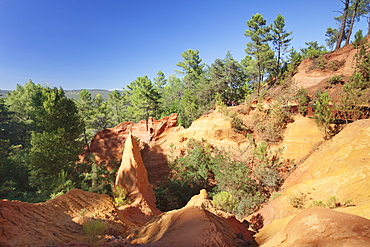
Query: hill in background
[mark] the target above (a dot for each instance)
(73, 94)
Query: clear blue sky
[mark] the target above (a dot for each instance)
(106, 44)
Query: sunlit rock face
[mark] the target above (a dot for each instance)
(132, 177)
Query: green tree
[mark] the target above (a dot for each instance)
(85, 105)
(281, 40)
(324, 116)
(53, 129)
(259, 33)
(101, 117)
(191, 67)
(227, 78)
(332, 35)
(170, 102)
(57, 146)
(352, 98)
(343, 24)
(144, 99)
(313, 50)
(159, 82)
(117, 105)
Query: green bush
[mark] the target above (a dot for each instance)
(236, 187)
(298, 200)
(120, 196)
(225, 201)
(93, 230)
(337, 79)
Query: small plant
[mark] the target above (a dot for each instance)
(82, 212)
(332, 202)
(93, 230)
(321, 62)
(298, 201)
(225, 201)
(120, 196)
(303, 100)
(274, 195)
(317, 204)
(337, 79)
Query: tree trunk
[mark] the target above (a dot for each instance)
(342, 28)
(352, 22)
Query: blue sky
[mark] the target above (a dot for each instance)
(106, 44)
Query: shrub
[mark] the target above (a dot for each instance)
(270, 123)
(120, 196)
(337, 79)
(324, 117)
(93, 229)
(303, 100)
(298, 200)
(237, 188)
(225, 201)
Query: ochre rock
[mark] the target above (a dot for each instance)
(213, 127)
(317, 226)
(132, 177)
(197, 224)
(309, 77)
(202, 201)
(58, 220)
(300, 138)
(338, 170)
(107, 144)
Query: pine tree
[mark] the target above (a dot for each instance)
(259, 33)
(144, 99)
(323, 116)
(281, 40)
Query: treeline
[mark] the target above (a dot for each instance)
(42, 131)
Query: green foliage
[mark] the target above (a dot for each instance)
(63, 184)
(49, 140)
(332, 35)
(238, 189)
(144, 99)
(236, 121)
(224, 201)
(324, 116)
(303, 101)
(173, 194)
(120, 196)
(194, 168)
(227, 78)
(94, 178)
(117, 102)
(352, 99)
(334, 80)
(259, 34)
(270, 122)
(298, 200)
(281, 41)
(93, 229)
(313, 50)
(362, 58)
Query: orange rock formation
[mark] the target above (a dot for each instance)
(337, 171)
(59, 220)
(317, 226)
(197, 224)
(107, 144)
(133, 178)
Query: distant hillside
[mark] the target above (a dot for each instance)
(73, 94)
(3, 93)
